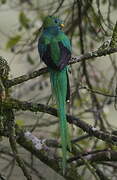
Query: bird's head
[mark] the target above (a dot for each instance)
(51, 21)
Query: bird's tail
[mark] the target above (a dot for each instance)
(59, 82)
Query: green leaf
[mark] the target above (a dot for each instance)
(3, 1)
(30, 60)
(13, 41)
(20, 123)
(113, 43)
(24, 20)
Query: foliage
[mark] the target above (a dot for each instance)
(13, 41)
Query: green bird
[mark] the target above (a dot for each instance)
(55, 50)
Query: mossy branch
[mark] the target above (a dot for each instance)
(113, 43)
(95, 156)
(10, 122)
(37, 147)
(83, 57)
(92, 131)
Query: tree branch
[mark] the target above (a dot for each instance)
(86, 56)
(96, 156)
(92, 131)
(37, 147)
(113, 42)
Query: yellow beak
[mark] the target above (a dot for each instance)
(62, 25)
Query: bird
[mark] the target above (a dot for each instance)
(55, 51)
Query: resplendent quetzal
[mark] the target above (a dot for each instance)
(55, 50)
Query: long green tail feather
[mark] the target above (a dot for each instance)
(59, 88)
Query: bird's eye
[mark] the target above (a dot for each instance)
(56, 21)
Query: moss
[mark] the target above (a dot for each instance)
(4, 68)
(113, 43)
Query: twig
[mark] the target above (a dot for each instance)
(100, 173)
(96, 156)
